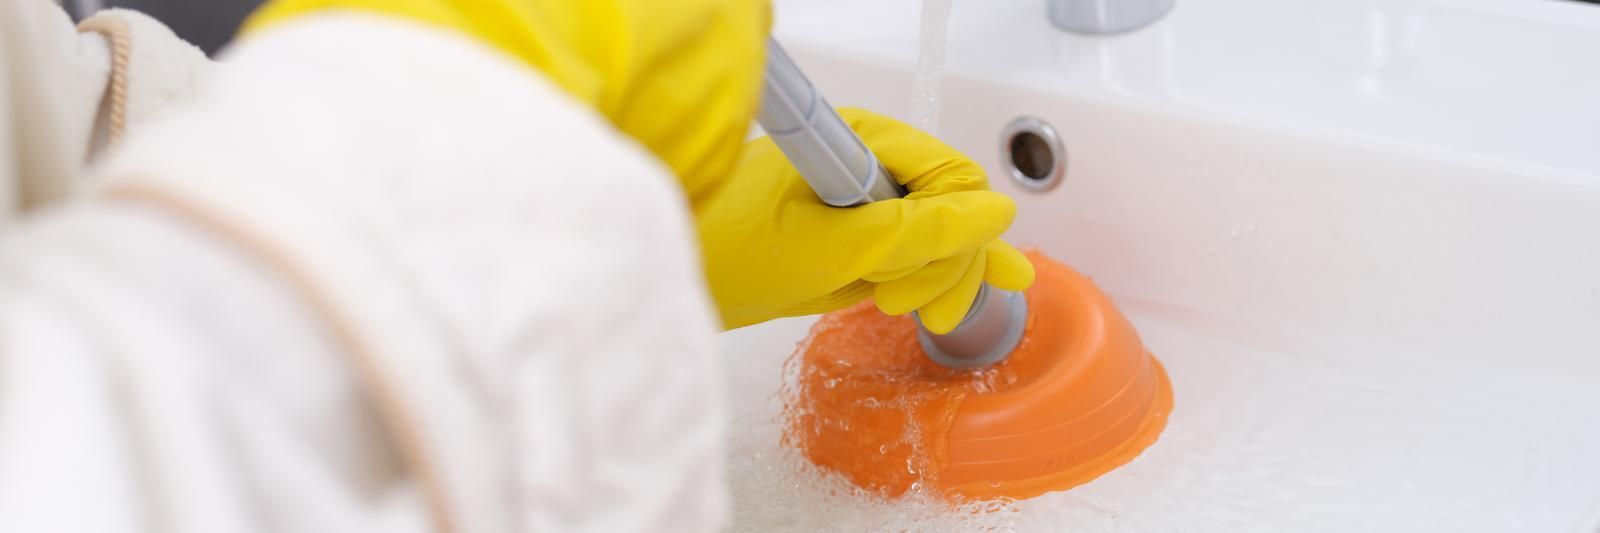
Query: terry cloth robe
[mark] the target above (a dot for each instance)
(374, 277)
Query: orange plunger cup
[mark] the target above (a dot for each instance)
(1078, 397)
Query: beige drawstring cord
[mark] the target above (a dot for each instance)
(399, 422)
(120, 38)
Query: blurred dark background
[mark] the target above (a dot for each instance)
(209, 24)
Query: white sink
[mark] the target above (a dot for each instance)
(1363, 236)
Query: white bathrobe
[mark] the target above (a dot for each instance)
(70, 93)
(376, 277)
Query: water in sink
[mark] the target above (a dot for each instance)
(774, 489)
(1271, 429)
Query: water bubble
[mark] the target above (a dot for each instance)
(775, 487)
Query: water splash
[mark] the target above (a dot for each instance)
(925, 87)
(793, 488)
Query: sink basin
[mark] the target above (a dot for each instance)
(1363, 237)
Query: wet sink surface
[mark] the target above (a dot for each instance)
(1271, 432)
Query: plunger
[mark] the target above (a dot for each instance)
(1032, 393)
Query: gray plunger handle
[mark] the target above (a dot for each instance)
(844, 173)
(830, 156)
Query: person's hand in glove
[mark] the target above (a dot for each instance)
(774, 249)
(682, 78)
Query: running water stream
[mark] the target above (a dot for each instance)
(930, 65)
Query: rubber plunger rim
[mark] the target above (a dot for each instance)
(1095, 400)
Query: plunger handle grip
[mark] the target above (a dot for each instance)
(828, 154)
(844, 173)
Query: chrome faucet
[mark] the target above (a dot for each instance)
(1105, 16)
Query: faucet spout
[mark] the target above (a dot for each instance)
(1105, 16)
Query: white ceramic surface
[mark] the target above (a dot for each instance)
(1363, 235)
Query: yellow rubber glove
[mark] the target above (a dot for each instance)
(681, 76)
(773, 249)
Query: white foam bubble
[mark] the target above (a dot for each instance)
(775, 489)
(779, 491)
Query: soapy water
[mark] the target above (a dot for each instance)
(791, 494)
(859, 396)
(925, 87)
(1281, 431)
(794, 489)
